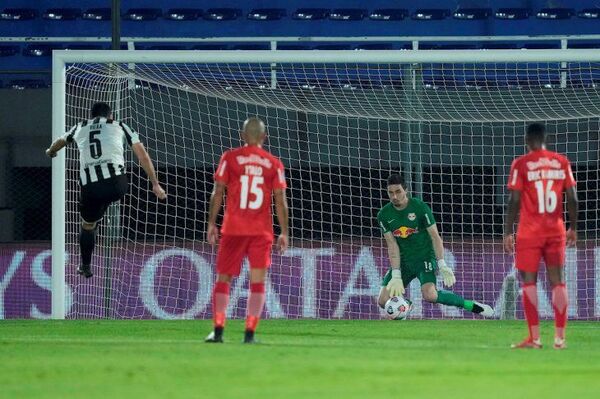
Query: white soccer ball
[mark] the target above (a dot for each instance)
(397, 308)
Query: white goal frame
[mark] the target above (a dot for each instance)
(61, 58)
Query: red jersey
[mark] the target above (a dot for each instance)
(250, 174)
(541, 176)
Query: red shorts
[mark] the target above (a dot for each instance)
(233, 250)
(529, 252)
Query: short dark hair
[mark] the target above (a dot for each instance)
(101, 109)
(396, 178)
(536, 133)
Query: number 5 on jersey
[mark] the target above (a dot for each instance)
(95, 144)
(251, 185)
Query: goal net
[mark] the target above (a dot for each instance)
(451, 128)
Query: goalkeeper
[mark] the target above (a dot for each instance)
(415, 250)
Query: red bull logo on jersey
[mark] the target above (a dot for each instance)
(404, 232)
(544, 162)
(253, 158)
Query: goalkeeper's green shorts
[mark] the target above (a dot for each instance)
(426, 274)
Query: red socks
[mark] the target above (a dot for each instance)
(559, 304)
(530, 305)
(256, 302)
(220, 302)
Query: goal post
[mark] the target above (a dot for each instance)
(58, 189)
(349, 108)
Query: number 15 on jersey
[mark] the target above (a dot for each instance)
(251, 185)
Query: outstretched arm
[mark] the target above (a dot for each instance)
(572, 208)
(216, 200)
(281, 208)
(146, 163)
(514, 203)
(56, 146)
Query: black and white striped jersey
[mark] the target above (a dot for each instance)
(101, 151)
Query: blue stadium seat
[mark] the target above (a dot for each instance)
(541, 45)
(40, 50)
(22, 84)
(472, 13)
(458, 46)
(210, 46)
(7, 51)
(429, 46)
(163, 47)
(251, 46)
(347, 14)
(388, 14)
(583, 45)
(555, 13)
(374, 46)
(222, 14)
(311, 14)
(287, 46)
(138, 85)
(581, 75)
(428, 14)
(435, 79)
(62, 14)
(183, 14)
(97, 14)
(513, 13)
(18, 14)
(498, 46)
(86, 46)
(333, 46)
(266, 14)
(143, 14)
(589, 13)
(84, 79)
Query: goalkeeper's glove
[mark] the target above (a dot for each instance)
(447, 273)
(395, 286)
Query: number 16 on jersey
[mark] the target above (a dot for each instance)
(547, 198)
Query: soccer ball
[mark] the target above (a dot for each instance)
(397, 308)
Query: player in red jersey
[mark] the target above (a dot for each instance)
(251, 176)
(537, 181)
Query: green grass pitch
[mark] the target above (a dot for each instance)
(296, 359)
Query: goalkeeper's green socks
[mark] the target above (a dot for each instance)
(451, 299)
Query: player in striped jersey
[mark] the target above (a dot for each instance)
(102, 174)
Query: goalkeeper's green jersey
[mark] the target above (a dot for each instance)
(409, 227)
